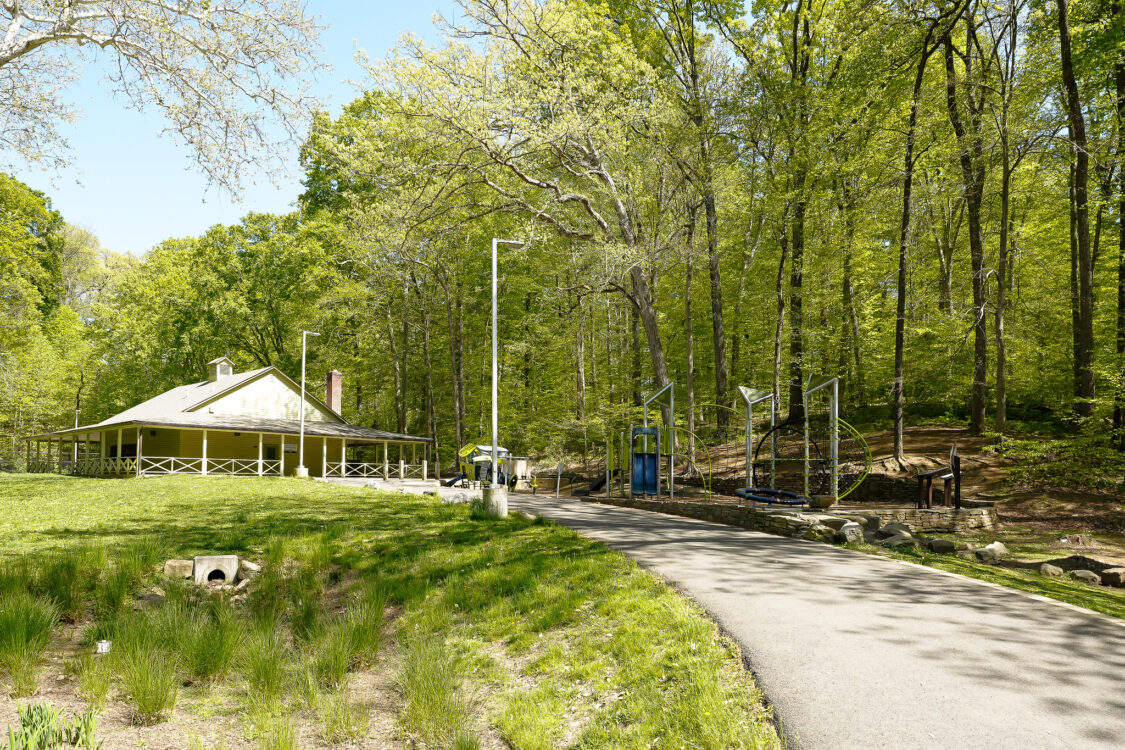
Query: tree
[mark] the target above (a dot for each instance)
(225, 74)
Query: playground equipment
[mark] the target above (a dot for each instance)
(803, 456)
(474, 464)
(646, 466)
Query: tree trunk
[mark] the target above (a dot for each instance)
(635, 345)
(779, 327)
(689, 335)
(452, 315)
(796, 331)
(1085, 270)
(580, 364)
(431, 407)
(1119, 396)
(646, 311)
(1001, 419)
(971, 147)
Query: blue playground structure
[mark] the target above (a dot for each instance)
(645, 465)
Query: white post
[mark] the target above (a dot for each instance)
(425, 469)
(495, 375)
(259, 454)
(401, 469)
(140, 451)
(205, 453)
(386, 463)
(324, 457)
(281, 456)
(343, 457)
(120, 430)
(301, 470)
(835, 438)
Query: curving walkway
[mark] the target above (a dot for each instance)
(861, 652)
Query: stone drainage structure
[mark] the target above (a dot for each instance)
(214, 570)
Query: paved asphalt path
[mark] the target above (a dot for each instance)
(860, 652)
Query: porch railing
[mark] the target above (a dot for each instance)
(243, 467)
(360, 470)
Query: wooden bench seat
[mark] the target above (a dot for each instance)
(950, 477)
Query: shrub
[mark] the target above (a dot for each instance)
(342, 719)
(149, 676)
(25, 629)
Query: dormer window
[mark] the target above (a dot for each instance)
(219, 368)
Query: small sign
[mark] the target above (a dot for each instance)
(291, 448)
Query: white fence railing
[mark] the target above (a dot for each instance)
(242, 467)
(359, 470)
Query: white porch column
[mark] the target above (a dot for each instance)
(323, 457)
(140, 449)
(425, 469)
(60, 456)
(401, 469)
(259, 454)
(120, 465)
(343, 457)
(205, 453)
(386, 462)
(281, 455)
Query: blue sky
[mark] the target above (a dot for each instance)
(133, 188)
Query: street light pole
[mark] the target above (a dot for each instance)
(495, 371)
(301, 470)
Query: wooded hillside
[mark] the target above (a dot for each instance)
(923, 198)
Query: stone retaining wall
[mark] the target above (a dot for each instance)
(785, 521)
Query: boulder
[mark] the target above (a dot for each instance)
(968, 554)
(242, 584)
(941, 546)
(998, 548)
(987, 555)
(820, 533)
(965, 545)
(850, 533)
(833, 522)
(895, 529)
(1051, 571)
(179, 568)
(1113, 577)
(248, 569)
(1086, 576)
(871, 537)
(900, 541)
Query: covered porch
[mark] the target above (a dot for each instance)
(152, 450)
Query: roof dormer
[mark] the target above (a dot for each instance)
(220, 368)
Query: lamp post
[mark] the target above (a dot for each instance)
(301, 470)
(495, 371)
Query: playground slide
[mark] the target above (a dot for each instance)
(595, 486)
(453, 481)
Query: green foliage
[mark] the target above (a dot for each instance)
(1087, 462)
(212, 642)
(343, 719)
(150, 678)
(94, 674)
(434, 707)
(42, 727)
(26, 623)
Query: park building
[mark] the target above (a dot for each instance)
(243, 424)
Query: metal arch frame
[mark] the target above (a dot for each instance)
(816, 383)
(671, 389)
(754, 396)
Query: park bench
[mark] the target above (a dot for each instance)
(951, 477)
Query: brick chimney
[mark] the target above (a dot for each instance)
(333, 390)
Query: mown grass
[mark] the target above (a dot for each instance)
(1108, 601)
(515, 628)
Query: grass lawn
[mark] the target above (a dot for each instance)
(379, 620)
(1102, 599)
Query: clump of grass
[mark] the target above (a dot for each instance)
(364, 622)
(149, 676)
(94, 676)
(306, 606)
(434, 708)
(264, 661)
(62, 581)
(210, 645)
(275, 730)
(25, 629)
(343, 719)
(15, 577)
(332, 654)
(115, 591)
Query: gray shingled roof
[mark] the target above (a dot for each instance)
(170, 409)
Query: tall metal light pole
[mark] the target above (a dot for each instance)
(301, 470)
(495, 372)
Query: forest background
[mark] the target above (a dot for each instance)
(922, 198)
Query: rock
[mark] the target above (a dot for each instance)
(820, 533)
(965, 545)
(871, 537)
(899, 541)
(998, 549)
(895, 529)
(1113, 577)
(833, 522)
(248, 569)
(1076, 540)
(179, 568)
(430, 493)
(986, 555)
(151, 599)
(455, 498)
(242, 584)
(1052, 571)
(1086, 576)
(216, 568)
(941, 546)
(968, 554)
(850, 533)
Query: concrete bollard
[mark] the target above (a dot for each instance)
(496, 501)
